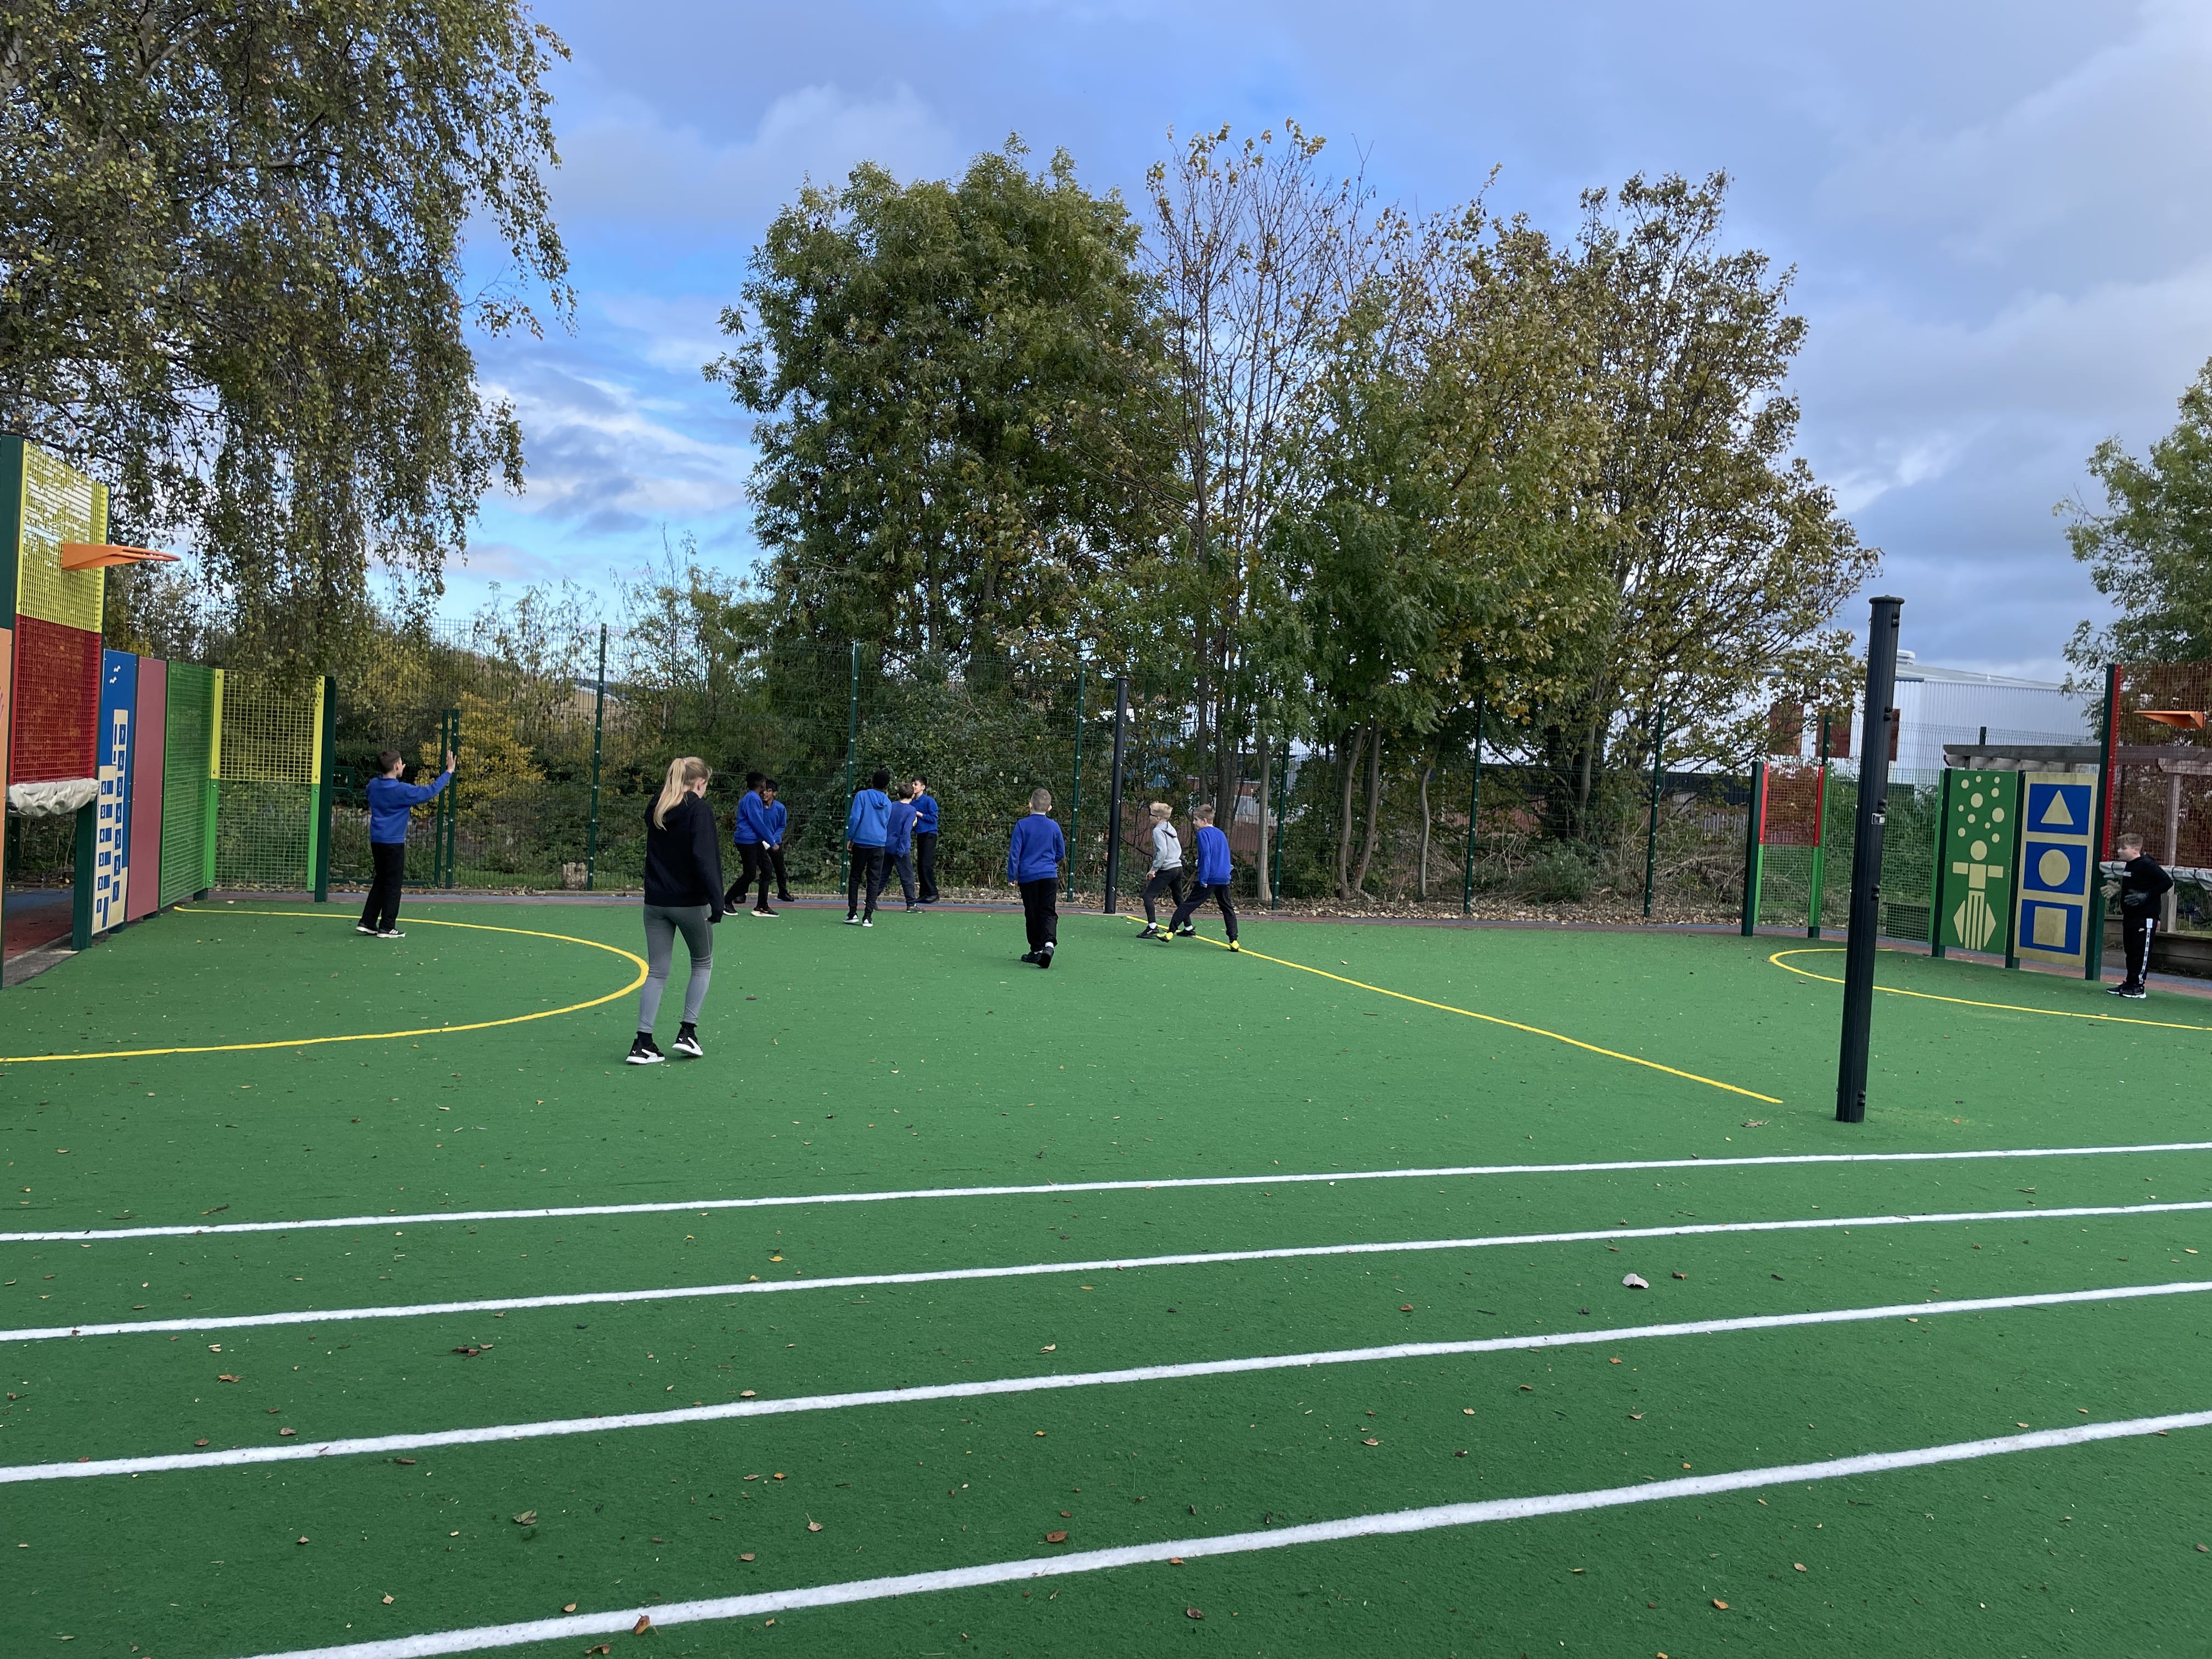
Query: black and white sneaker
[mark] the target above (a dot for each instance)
(1044, 956)
(644, 1051)
(363, 927)
(2119, 990)
(1029, 956)
(1152, 930)
(762, 910)
(392, 933)
(867, 921)
(1187, 930)
(687, 1042)
(852, 921)
(2136, 993)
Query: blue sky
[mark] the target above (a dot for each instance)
(1997, 214)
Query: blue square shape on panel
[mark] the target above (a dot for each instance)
(2054, 867)
(2059, 809)
(2056, 927)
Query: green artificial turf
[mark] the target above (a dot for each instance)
(919, 1053)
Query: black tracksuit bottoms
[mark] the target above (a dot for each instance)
(1219, 892)
(1168, 881)
(925, 864)
(1041, 910)
(2135, 933)
(381, 914)
(867, 874)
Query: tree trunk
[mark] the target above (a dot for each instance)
(1347, 762)
(1428, 770)
(1373, 804)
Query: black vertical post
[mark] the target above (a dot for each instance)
(1866, 862)
(1754, 835)
(87, 854)
(598, 732)
(1651, 827)
(1114, 793)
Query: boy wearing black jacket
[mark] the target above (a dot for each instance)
(2142, 884)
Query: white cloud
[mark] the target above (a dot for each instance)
(633, 166)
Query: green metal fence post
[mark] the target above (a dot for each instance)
(1816, 895)
(2093, 947)
(1651, 829)
(1282, 799)
(853, 722)
(598, 732)
(450, 801)
(1075, 794)
(1473, 808)
(325, 770)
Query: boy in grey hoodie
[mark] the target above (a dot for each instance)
(1166, 873)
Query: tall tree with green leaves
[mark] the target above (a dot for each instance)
(1720, 557)
(2150, 550)
(961, 384)
(232, 280)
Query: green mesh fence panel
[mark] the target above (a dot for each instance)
(1908, 849)
(266, 795)
(188, 742)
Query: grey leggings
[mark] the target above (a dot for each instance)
(662, 923)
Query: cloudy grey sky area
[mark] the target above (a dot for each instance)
(1995, 209)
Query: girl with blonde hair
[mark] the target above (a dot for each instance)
(683, 894)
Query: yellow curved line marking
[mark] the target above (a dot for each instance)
(1493, 1019)
(1969, 1002)
(374, 1036)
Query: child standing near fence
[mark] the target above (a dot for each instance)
(1166, 873)
(390, 803)
(899, 844)
(774, 816)
(925, 840)
(2143, 882)
(1034, 852)
(751, 835)
(866, 822)
(1212, 880)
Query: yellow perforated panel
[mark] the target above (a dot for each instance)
(60, 504)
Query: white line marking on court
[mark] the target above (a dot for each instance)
(496, 1433)
(1395, 1523)
(1034, 1269)
(1046, 1189)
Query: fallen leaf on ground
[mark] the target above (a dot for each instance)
(745, 1394)
(644, 1623)
(1468, 1410)
(303, 1540)
(1370, 1442)
(1459, 1453)
(199, 1442)
(1406, 1307)
(1056, 1538)
(1722, 1605)
(1637, 1282)
(1049, 1347)
(569, 1606)
(225, 1377)
(387, 1600)
(1755, 1123)
(1681, 1275)
(1528, 1387)
(1636, 1417)
(1800, 1566)
(286, 1434)
(408, 1461)
(529, 1518)
(747, 1556)
(1192, 1612)
(814, 1526)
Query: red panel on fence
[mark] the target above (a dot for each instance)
(2160, 787)
(56, 704)
(1792, 817)
(149, 723)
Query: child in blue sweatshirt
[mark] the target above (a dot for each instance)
(1034, 853)
(868, 824)
(391, 801)
(774, 816)
(924, 839)
(751, 837)
(899, 844)
(1212, 880)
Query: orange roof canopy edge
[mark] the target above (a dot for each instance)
(2182, 720)
(98, 556)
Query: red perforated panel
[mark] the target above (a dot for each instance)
(57, 703)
